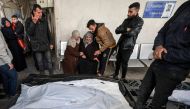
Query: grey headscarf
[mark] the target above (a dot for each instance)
(84, 38)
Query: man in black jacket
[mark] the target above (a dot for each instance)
(129, 31)
(172, 60)
(41, 41)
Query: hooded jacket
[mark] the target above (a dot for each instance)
(104, 37)
(175, 37)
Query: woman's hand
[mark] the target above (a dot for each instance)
(96, 59)
(97, 52)
(81, 53)
(83, 56)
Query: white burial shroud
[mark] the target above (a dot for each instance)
(79, 94)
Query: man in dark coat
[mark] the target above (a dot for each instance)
(129, 31)
(41, 41)
(172, 60)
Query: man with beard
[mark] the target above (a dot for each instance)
(129, 31)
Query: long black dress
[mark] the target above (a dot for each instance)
(88, 66)
(19, 61)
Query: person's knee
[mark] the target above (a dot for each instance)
(125, 64)
(38, 56)
(118, 62)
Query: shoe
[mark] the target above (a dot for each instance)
(42, 73)
(115, 77)
(122, 79)
(50, 74)
(98, 74)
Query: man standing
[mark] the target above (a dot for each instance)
(129, 31)
(172, 60)
(40, 38)
(105, 38)
(7, 70)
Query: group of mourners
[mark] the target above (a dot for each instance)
(12, 59)
(79, 55)
(13, 47)
(171, 52)
(12, 32)
(85, 56)
(91, 54)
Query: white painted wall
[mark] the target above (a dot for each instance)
(74, 14)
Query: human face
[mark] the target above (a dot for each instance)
(7, 24)
(92, 28)
(38, 13)
(14, 20)
(132, 12)
(88, 39)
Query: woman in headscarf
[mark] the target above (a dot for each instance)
(72, 54)
(11, 40)
(88, 61)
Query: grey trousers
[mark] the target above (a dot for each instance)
(44, 55)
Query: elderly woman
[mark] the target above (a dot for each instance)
(88, 61)
(11, 40)
(72, 54)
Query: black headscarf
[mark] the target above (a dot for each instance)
(3, 21)
(8, 33)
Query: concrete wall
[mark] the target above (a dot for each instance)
(10, 8)
(74, 14)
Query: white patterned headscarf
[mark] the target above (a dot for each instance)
(73, 40)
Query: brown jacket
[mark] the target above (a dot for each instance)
(104, 37)
(71, 60)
